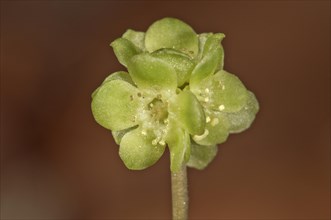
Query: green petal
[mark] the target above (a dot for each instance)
(201, 156)
(216, 131)
(222, 92)
(211, 61)
(202, 40)
(181, 63)
(172, 33)
(115, 105)
(124, 50)
(213, 41)
(179, 145)
(233, 94)
(121, 75)
(118, 135)
(136, 37)
(189, 112)
(149, 72)
(137, 150)
(240, 121)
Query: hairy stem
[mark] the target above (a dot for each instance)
(179, 194)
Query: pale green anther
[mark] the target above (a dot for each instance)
(172, 33)
(149, 72)
(136, 37)
(201, 156)
(189, 113)
(115, 105)
(124, 50)
(181, 63)
(138, 152)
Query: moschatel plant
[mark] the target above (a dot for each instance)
(176, 94)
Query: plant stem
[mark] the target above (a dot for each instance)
(179, 194)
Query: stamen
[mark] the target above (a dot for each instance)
(200, 137)
(221, 107)
(154, 142)
(207, 119)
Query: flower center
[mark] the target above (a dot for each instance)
(158, 110)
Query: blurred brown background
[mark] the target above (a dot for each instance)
(57, 163)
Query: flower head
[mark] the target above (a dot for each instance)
(175, 93)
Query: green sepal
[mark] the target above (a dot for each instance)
(201, 156)
(178, 141)
(151, 73)
(203, 37)
(202, 40)
(136, 37)
(241, 120)
(226, 93)
(189, 112)
(212, 58)
(124, 50)
(216, 130)
(181, 63)
(137, 151)
(118, 135)
(172, 33)
(115, 105)
(120, 75)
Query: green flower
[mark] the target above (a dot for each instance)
(146, 112)
(175, 93)
(229, 107)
